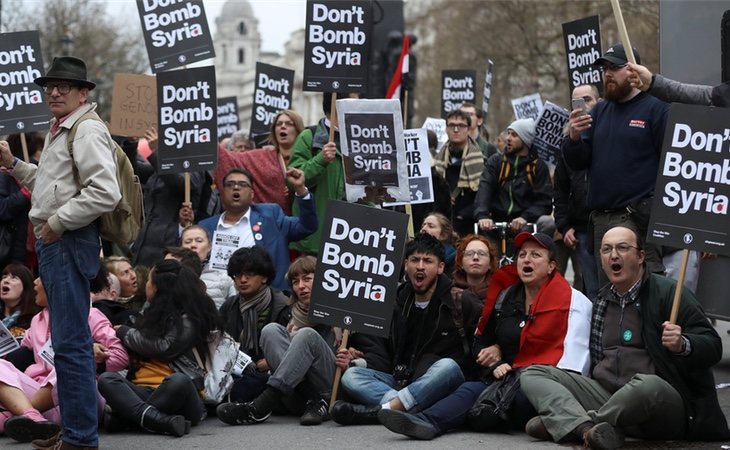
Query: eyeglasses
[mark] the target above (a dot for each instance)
(63, 88)
(240, 184)
(286, 123)
(480, 253)
(457, 126)
(612, 67)
(621, 249)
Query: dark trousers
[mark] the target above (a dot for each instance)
(176, 395)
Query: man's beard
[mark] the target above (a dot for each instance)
(616, 92)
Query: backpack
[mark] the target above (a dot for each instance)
(121, 225)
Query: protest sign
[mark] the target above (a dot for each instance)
(359, 260)
(228, 121)
(373, 151)
(438, 126)
(582, 48)
(187, 107)
(337, 47)
(22, 104)
(527, 107)
(8, 342)
(175, 32)
(272, 93)
(457, 87)
(419, 167)
(692, 193)
(134, 104)
(549, 133)
(487, 93)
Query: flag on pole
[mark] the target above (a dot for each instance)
(400, 71)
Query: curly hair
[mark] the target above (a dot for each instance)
(459, 265)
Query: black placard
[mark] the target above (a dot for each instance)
(22, 105)
(582, 48)
(188, 126)
(272, 93)
(175, 32)
(228, 121)
(372, 154)
(457, 87)
(360, 257)
(692, 192)
(337, 47)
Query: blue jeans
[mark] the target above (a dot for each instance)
(588, 266)
(372, 387)
(65, 267)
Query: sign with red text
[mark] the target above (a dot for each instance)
(187, 106)
(22, 102)
(457, 87)
(337, 47)
(692, 191)
(175, 32)
(272, 93)
(134, 104)
(359, 260)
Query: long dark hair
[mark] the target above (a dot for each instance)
(179, 292)
(27, 297)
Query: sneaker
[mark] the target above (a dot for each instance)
(24, 429)
(315, 412)
(407, 424)
(346, 413)
(535, 428)
(234, 413)
(603, 436)
(54, 442)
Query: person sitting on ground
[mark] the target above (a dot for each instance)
(122, 268)
(186, 257)
(28, 398)
(105, 289)
(301, 356)
(244, 315)
(439, 226)
(219, 285)
(651, 378)
(476, 262)
(17, 299)
(538, 320)
(158, 394)
(428, 343)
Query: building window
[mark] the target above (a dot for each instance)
(241, 55)
(242, 28)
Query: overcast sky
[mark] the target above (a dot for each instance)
(277, 18)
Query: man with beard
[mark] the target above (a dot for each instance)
(620, 144)
(429, 344)
(650, 378)
(244, 224)
(515, 186)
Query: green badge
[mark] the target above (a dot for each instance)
(628, 335)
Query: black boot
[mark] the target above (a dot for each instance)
(346, 413)
(158, 422)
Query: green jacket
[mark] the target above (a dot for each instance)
(325, 180)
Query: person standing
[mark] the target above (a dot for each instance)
(68, 246)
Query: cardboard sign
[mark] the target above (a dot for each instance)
(527, 107)
(175, 32)
(457, 87)
(360, 257)
(187, 106)
(337, 47)
(134, 104)
(438, 126)
(228, 121)
(549, 133)
(373, 151)
(582, 48)
(8, 342)
(419, 167)
(692, 193)
(487, 93)
(22, 102)
(273, 93)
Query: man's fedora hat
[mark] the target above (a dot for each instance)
(66, 68)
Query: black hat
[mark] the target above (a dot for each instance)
(542, 239)
(66, 68)
(617, 55)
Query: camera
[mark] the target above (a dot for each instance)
(402, 376)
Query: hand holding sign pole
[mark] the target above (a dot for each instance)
(623, 33)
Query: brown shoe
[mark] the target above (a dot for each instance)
(535, 428)
(55, 443)
(603, 436)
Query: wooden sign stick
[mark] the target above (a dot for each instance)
(338, 372)
(624, 34)
(680, 286)
(24, 144)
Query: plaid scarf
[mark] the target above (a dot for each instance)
(250, 311)
(472, 164)
(599, 316)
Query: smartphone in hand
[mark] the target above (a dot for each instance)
(579, 103)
